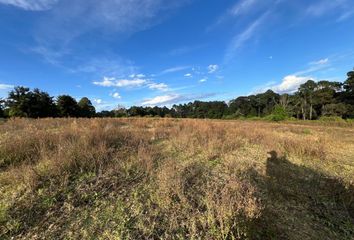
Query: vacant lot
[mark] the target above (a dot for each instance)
(175, 179)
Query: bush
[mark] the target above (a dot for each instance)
(279, 114)
(334, 110)
(331, 119)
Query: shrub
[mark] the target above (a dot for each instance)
(279, 114)
(332, 119)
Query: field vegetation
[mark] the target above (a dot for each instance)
(136, 178)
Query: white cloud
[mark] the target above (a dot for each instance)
(31, 5)
(188, 75)
(158, 86)
(169, 99)
(320, 62)
(106, 66)
(242, 7)
(174, 69)
(323, 7)
(203, 80)
(140, 75)
(289, 84)
(107, 82)
(113, 82)
(6, 86)
(116, 95)
(58, 31)
(97, 101)
(131, 83)
(240, 39)
(160, 100)
(213, 68)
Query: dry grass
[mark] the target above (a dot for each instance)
(175, 179)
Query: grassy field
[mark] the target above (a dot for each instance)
(175, 179)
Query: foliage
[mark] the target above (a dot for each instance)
(33, 104)
(279, 114)
(68, 106)
(332, 119)
(86, 108)
(2, 112)
(334, 109)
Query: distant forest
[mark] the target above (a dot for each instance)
(311, 101)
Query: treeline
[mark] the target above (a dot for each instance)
(311, 101)
(22, 102)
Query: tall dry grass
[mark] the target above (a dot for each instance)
(175, 179)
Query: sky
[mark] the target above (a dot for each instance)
(165, 52)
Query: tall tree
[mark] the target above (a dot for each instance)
(348, 95)
(2, 112)
(24, 103)
(18, 102)
(241, 106)
(325, 93)
(67, 106)
(306, 92)
(86, 108)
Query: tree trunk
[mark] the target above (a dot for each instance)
(303, 109)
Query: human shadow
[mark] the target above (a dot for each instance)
(301, 203)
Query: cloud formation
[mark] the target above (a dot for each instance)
(174, 69)
(5, 86)
(58, 31)
(320, 62)
(132, 83)
(116, 95)
(240, 39)
(174, 98)
(323, 7)
(243, 6)
(31, 5)
(290, 84)
(158, 86)
(113, 82)
(161, 100)
(213, 68)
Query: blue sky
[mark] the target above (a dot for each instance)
(162, 52)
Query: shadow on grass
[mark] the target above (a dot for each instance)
(301, 203)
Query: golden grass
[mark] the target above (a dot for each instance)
(175, 179)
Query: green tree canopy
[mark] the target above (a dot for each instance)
(86, 108)
(68, 106)
(34, 104)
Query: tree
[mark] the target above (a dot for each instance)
(334, 110)
(2, 112)
(241, 106)
(349, 83)
(24, 103)
(348, 95)
(120, 111)
(268, 101)
(41, 105)
(86, 108)
(67, 106)
(18, 102)
(306, 92)
(279, 114)
(325, 93)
